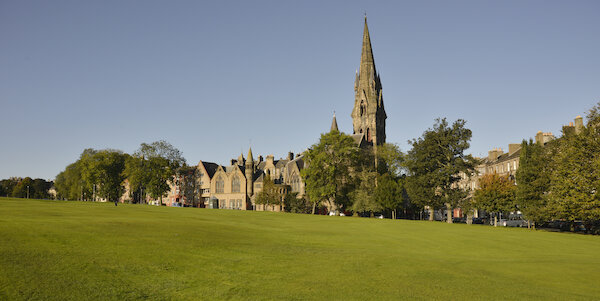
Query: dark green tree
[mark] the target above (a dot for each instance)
(8, 185)
(434, 165)
(103, 172)
(152, 167)
(330, 168)
(575, 174)
(188, 179)
(68, 183)
(388, 193)
(21, 189)
(294, 204)
(533, 181)
(363, 195)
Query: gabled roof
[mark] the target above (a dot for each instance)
(281, 163)
(210, 168)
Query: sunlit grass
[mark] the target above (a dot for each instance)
(77, 250)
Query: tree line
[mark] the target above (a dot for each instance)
(558, 181)
(101, 174)
(26, 187)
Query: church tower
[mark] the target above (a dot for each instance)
(368, 115)
(249, 172)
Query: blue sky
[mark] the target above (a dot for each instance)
(214, 77)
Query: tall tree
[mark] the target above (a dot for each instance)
(434, 164)
(8, 185)
(23, 189)
(68, 182)
(533, 180)
(363, 195)
(575, 178)
(388, 193)
(495, 194)
(329, 169)
(152, 167)
(103, 172)
(189, 186)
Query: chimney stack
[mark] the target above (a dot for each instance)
(513, 147)
(578, 124)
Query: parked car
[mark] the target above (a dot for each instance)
(516, 220)
(478, 221)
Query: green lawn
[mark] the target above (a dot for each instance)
(77, 250)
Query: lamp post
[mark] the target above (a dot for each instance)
(27, 191)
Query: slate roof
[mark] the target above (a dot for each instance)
(210, 168)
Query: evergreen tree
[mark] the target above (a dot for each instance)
(533, 181)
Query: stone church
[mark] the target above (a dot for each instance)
(236, 185)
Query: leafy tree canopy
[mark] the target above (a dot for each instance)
(435, 162)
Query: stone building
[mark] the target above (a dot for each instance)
(506, 164)
(236, 185)
(368, 114)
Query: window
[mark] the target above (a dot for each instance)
(235, 184)
(295, 183)
(220, 185)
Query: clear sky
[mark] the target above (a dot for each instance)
(214, 77)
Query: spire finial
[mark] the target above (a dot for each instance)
(334, 126)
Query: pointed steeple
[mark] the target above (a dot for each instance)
(334, 126)
(367, 62)
(250, 158)
(368, 115)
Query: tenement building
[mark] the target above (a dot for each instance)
(507, 163)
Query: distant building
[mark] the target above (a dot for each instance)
(506, 164)
(235, 186)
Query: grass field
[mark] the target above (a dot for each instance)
(77, 251)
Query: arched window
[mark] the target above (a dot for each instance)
(368, 135)
(235, 184)
(220, 185)
(295, 183)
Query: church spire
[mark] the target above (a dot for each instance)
(367, 62)
(368, 115)
(334, 126)
(250, 159)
